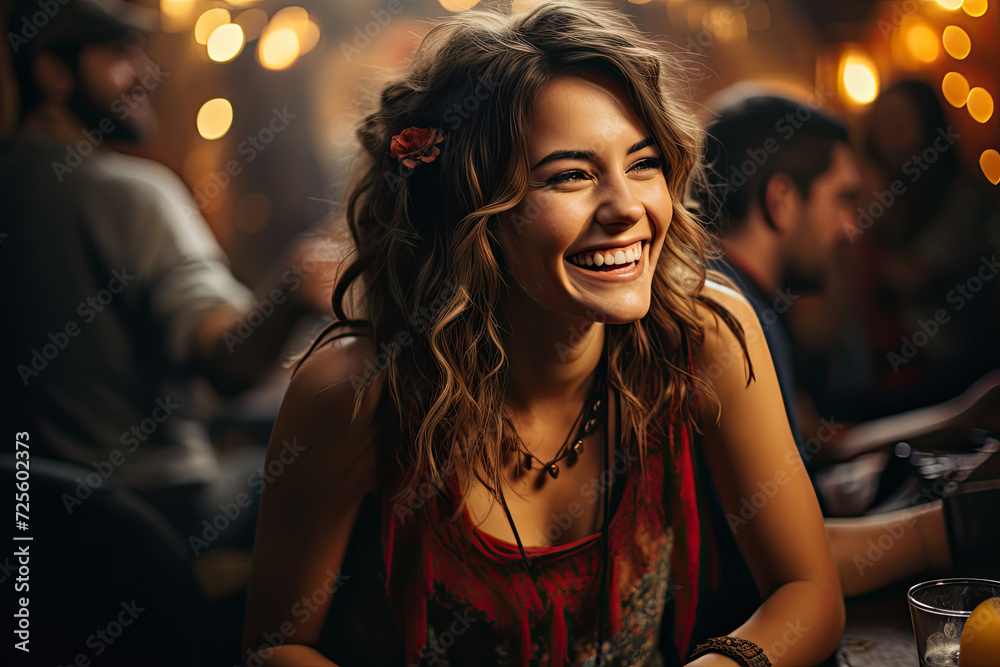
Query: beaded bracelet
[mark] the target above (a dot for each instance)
(745, 653)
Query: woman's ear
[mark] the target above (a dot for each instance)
(53, 76)
(782, 202)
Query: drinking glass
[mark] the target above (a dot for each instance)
(939, 610)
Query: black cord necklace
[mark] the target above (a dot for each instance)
(606, 503)
(588, 420)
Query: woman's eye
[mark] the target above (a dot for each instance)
(566, 177)
(647, 163)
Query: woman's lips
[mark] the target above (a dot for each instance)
(626, 271)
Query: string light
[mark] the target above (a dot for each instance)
(458, 5)
(215, 118)
(225, 43)
(955, 88)
(975, 8)
(208, 22)
(277, 49)
(989, 162)
(956, 42)
(980, 104)
(859, 78)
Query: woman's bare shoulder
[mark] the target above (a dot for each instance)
(333, 372)
(318, 409)
(736, 305)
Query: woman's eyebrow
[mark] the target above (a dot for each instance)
(586, 154)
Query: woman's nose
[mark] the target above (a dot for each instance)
(619, 204)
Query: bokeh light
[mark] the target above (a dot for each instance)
(277, 49)
(921, 41)
(950, 4)
(458, 5)
(309, 37)
(727, 24)
(290, 34)
(215, 118)
(955, 88)
(956, 42)
(208, 22)
(980, 104)
(225, 42)
(176, 14)
(989, 162)
(252, 21)
(975, 7)
(859, 78)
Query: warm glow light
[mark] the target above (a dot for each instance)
(214, 118)
(458, 5)
(278, 49)
(634, 2)
(289, 34)
(922, 42)
(176, 15)
(950, 4)
(956, 42)
(294, 18)
(955, 88)
(859, 78)
(177, 9)
(975, 7)
(297, 20)
(252, 21)
(208, 22)
(309, 37)
(980, 104)
(726, 24)
(989, 162)
(225, 42)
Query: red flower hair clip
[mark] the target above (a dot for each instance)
(416, 144)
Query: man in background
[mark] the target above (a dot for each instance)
(783, 189)
(122, 298)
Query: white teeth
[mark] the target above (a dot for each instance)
(610, 258)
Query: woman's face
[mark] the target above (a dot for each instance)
(585, 239)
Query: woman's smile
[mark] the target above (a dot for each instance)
(616, 264)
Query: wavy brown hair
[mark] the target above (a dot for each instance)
(428, 274)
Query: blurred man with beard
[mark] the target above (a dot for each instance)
(782, 191)
(124, 300)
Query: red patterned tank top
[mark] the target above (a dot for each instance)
(464, 597)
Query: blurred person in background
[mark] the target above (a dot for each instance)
(783, 183)
(922, 276)
(124, 299)
(781, 193)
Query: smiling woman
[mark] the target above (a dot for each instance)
(516, 485)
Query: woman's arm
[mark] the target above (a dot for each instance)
(874, 551)
(752, 457)
(319, 468)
